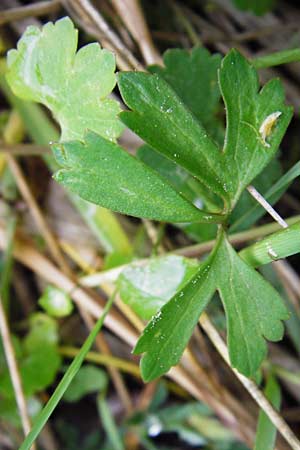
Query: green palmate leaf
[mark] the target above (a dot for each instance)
(103, 173)
(166, 336)
(193, 76)
(163, 121)
(147, 288)
(45, 68)
(254, 309)
(254, 312)
(256, 121)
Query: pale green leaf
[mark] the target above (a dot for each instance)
(147, 288)
(103, 173)
(45, 68)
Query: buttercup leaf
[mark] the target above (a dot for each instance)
(45, 68)
(254, 309)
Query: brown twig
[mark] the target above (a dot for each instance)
(14, 371)
(133, 17)
(31, 10)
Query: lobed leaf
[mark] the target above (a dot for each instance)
(254, 312)
(103, 173)
(45, 68)
(256, 121)
(254, 309)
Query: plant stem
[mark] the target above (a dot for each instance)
(100, 358)
(277, 58)
(236, 238)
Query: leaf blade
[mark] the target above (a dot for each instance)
(254, 309)
(170, 128)
(103, 173)
(167, 334)
(55, 75)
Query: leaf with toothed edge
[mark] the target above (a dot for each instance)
(254, 309)
(45, 68)
(254, 312)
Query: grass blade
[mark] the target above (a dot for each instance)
(278, 245)
(65, 382)
(266, 431)
(109, 424)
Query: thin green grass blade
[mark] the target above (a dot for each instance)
(6, 269)
(277, 58)
(266, 431)
(65, 382)
(109, 424)
(279, 245)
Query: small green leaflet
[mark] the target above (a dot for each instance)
(103, 173)
(45, 68)
(256, 123)
(147, 288)
(254, 312)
